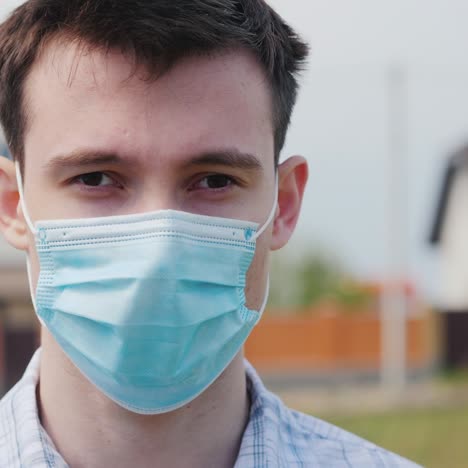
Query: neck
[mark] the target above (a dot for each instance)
(90, 430)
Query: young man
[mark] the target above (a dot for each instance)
(147, 195)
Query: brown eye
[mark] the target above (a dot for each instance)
(95, 179)
(216, 181)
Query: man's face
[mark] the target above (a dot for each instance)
(102, 140)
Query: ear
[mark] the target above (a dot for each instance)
(292, 179)
(12, 224)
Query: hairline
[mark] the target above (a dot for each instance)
(153, 73)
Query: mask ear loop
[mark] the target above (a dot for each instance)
(265, 299)
(271, 215)
(19, 181)
(33, 299)
(257, 235)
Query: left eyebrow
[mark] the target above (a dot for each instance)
(232, 158)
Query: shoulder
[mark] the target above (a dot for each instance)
(285, 437)
(328, 445)
(8, 423)
(19, 421)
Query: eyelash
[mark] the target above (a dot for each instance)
(232, 181)
(76, 181)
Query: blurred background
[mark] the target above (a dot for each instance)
(368, 311)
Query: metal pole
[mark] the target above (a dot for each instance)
(394, 299)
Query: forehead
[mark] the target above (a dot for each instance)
(77, 97)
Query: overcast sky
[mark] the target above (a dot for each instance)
(357, 31)
(341, 121)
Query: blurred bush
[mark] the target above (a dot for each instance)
(314, 280)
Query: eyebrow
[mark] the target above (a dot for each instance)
(231, 157)
(82, 159)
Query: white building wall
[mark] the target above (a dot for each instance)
(454, 247)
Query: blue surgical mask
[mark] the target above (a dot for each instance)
(149, 307)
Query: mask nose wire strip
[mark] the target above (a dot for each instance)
(33, 229)
(19, 181)
(272, 213)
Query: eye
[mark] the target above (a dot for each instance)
(215, 182)
(95, 179)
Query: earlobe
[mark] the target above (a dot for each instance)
(292, 180)
(12, 225)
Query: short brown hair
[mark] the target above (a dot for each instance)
(157, 33)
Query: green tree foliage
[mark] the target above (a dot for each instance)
(315, 279)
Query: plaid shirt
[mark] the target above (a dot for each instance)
(275, 435)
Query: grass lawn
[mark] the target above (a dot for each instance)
(435, 438)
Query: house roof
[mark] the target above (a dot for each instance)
(456, 162)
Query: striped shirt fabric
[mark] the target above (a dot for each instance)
(276, 436)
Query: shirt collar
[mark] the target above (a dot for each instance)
(260, 442)
(34, 445)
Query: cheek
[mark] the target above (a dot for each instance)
(257, 276)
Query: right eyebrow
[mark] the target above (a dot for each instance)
(78, 159)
